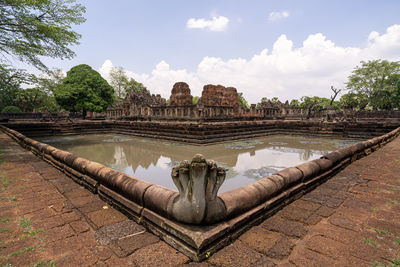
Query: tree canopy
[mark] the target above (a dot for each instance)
(30, 29)
(377, 82)
(84, 90)
(242, 101)
(122, 84)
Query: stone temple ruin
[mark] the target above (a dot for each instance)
(216, 101)
(197, 220)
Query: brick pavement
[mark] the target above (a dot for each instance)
(351, 220)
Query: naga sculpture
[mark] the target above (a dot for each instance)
(198, 183)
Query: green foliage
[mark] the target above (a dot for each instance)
(11, 109)
(380, 231)
(295, 103)
(377, 81)
(84, 90)
(274, 100)
(25, 222)
(30, 99)
(369, 242)
(5, 220)
(243, 102)
(195, 99)
(30, 30)
(315, 103)
(263, 100)
(10, 82)
(354, 100)
(122, 84)
(45, 263)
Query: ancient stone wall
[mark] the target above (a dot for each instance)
(180, 95)
(218, 95)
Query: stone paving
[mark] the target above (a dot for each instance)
(46, 219)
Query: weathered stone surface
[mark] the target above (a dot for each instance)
(218, 95)
(180, 95)
(237, 254)
(158, 254)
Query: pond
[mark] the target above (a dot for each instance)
(152, 160)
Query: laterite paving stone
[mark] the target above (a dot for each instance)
(353, 219)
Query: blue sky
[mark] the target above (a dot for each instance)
(263, 48)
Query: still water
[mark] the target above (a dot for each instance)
(152, 160)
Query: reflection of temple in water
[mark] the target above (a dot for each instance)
(121, 152)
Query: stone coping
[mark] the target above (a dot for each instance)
(246, 206)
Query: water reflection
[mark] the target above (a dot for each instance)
(152, 160)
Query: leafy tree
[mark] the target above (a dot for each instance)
(49, 81)
(134, 85)
(10, 82)
(354, 100)
(118, 81)
(11, 109)
(84, 90)
(377, 81)
(243, 101)
(274, 100)
(122, 84)
(263, 100)
(30, 99)
(30, 30)
(295, 103)
(195, 99)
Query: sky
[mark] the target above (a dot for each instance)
(287, 48)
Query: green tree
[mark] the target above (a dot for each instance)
(134, 85)
(195, 99)
(354, 100)
(122, 84)
(84, 90)
(32, 29)
(10, 82)
(378, 81)
(295, 103)
(274, 100)
(49, 81)
(263, 100)
(30, 99)
(242, 101)
(11, 109)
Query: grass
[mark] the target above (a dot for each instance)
(22, 251)
(25, 223)
(32, 233)
(397, 241)
(49, 263)
(369, 242)
(394, 188)
(14, 198)
(378, 264)
(5, 220)
(396, 263)
(5, 230)
(379, 231)
(371, 209)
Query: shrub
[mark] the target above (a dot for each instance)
(11, 109)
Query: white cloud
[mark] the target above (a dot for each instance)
(215, 24)
(285, 71)
(275, 15)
